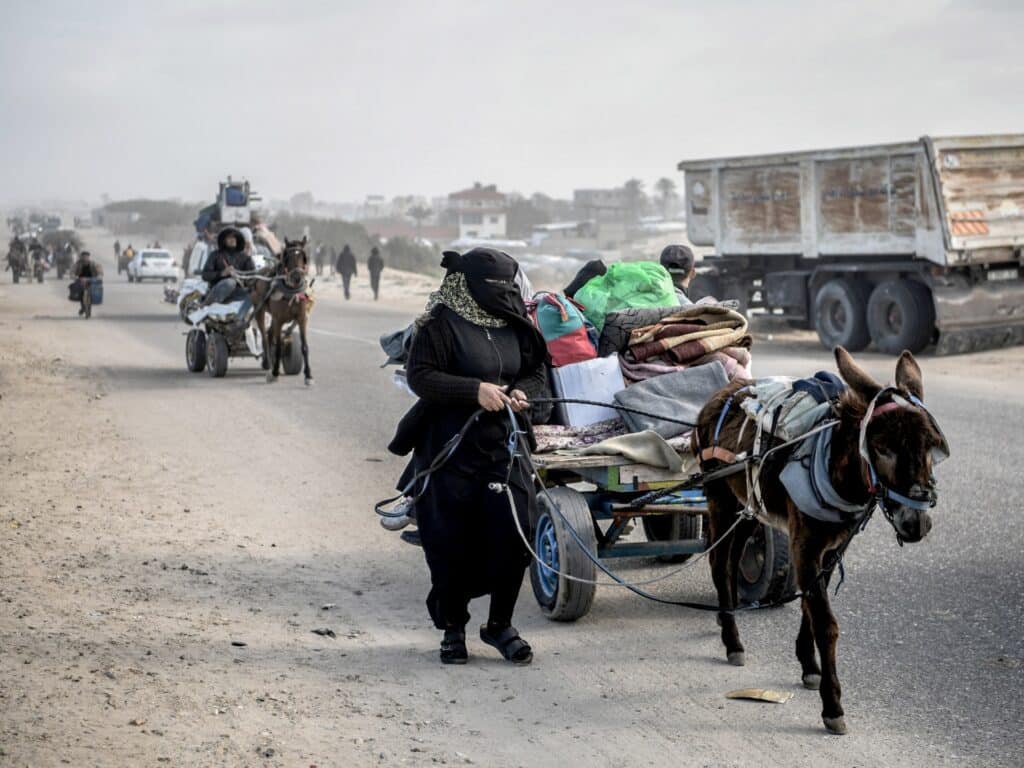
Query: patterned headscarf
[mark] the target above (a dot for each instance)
(454, 294)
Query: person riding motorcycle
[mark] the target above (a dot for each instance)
(231, 256)
(84, 271)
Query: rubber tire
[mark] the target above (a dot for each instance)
(767, 548)
(195, 350)
(852, 295)
(216, 355)
(291, 355)
(659, 528)
(914, 302)
(734, 290)
(571, 599)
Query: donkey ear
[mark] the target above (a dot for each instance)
(908, 375)
(855, 376)
(304, 240)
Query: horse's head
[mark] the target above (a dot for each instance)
(294, 262)
(900, 443)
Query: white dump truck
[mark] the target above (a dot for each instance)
(899, 245)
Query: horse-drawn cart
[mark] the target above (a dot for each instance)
(596, 496)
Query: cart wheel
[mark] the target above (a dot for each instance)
(559, 598)
(659, 528)
(764, 574)
(195, 350)
(216, 355)
(291, 355)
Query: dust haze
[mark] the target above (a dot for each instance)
(349, 99)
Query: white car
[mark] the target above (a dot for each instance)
(152, 263)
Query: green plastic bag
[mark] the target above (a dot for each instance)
(626, 284)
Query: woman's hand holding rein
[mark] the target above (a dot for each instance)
(492, 397)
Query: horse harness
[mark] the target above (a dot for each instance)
(806, 476)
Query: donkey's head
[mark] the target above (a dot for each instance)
(294, 262)
(900, 443)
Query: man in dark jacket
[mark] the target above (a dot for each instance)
(217, 272)
(375, 265)
(347, 268)
(84, 271)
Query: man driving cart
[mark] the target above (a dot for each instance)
(220, 271)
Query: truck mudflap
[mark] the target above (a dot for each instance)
(972, 317)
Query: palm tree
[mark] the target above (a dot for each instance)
(667, 193)
(419, 213)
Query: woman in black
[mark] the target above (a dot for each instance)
(476, 350)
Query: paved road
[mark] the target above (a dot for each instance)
(931, 648)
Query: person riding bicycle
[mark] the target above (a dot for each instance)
(230, 256)
(85, 271)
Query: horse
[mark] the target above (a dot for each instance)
(883, 447)
(285, 296)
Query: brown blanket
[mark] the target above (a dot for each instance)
(690, 334)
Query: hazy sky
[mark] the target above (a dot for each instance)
(344, 99)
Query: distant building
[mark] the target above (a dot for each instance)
(480, 212)
(601, 205)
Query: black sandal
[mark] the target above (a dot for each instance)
(453, 647)
(509, 644)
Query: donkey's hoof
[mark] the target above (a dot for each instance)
(836, 725)
(271, 378)
(737, 658)
(309, 382)
(812, 682)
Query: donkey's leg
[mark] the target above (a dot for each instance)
(740, 534)
(722, 510)
(303, 321)
(805, 651)
(261, 324)
(825, 630)
(275, 335)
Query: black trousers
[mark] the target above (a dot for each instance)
(375, 284)
(471, 543)
(346, 281)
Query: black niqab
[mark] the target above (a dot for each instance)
(490, 277)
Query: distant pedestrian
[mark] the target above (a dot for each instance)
(346, 268)
(117, 249)
(375, 265)
(332, 258)
(318, 259)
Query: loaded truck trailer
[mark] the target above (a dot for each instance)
(899, 245)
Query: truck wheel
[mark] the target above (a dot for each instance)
(291, 355)
(559, 598)
(659, 528)
(216, 355)
(764, 574)
(901, 316)
(840, 314)
(735, 290)
(195, 350)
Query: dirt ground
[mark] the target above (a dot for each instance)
(163, 564)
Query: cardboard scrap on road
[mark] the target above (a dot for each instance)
(760, 694)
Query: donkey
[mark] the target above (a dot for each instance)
(882, 450)
(288, 300)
